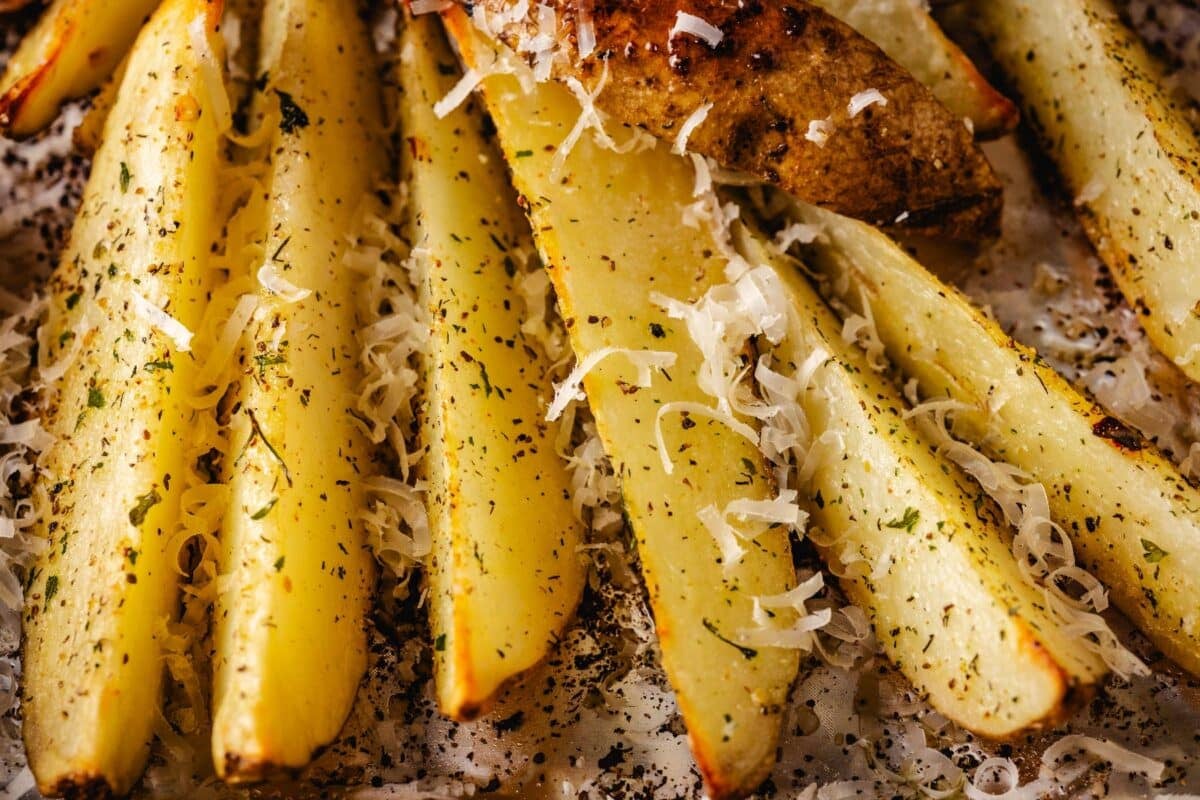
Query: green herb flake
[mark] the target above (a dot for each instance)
(73, 300)
(125, 177)
(1152, 553)
(279, 563)
(748, 653)
(273, 359)
(523, 154)
(907, 522)
(439, 643)
(159, 366)
(487, 383)
(262, 512)
(51, 587)
(137, 514)
(95, 398)
(257, 431)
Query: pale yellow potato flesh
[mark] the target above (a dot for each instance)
(109, 499)
(1125, 148)
(1132, 518)
(905, 31)
(73, 48)
(290, 642)
(920, 548)
(506, 572)
(609, 228)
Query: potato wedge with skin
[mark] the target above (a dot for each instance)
(109, 501)
(1133, 520)
(921, 549)
(74, 47)
(506, 573)
(1126, 150)
(609, 227)
(913, 39)
(777, 68)
(290, 643)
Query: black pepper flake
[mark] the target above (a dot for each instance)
(511, 723)
(293, 116)
(748, 653)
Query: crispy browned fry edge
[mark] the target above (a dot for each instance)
(779, 65)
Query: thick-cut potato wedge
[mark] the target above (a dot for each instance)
(506, 573)
(609, 227)
(909, 35)
(1133, 520)
(920, 549)
(1125, 148)
(290, 622)
(72, 50)
(109, 501)
(777, 68)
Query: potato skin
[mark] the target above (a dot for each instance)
(779, 66)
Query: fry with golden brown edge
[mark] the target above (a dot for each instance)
(72, 50)
(910, 37)
(290, 642)
(129, 288)
(1126, 149)
(506, 573)
(782, 83)
(609, 227)
(1133, 520)
(917, 544)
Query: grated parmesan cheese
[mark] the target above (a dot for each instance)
(214, 377)
(694, 121)
(864, 100)
(458, 94)
(571, 388)
(695, 26)
(210, 73)
(163, 322)
(1064, 770)
(860, 329)
(280, 286)
(1092, 190)
(585, 31)
(1041, 547)
(801, 633)
(819, 131)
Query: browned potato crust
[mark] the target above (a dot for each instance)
(779, 66)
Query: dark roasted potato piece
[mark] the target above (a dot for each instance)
(777, 75)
